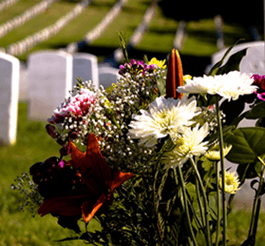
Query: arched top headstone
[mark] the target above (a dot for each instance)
(108, 76)
(253, 62)
(85, 66)
(9, 86)
(50, 75)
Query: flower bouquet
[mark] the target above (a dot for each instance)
(145, 156)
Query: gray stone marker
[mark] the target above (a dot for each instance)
(86, 67)
(50, 75)
(9, 86)
(108, 75)
(23, 82)
(253, 62)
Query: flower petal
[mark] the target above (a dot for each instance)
(119, 177)
(87, 212)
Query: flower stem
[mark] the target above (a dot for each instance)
(221, 143)
(256, 208)
(199, 201)
(185, 202)
(218, 204)
(205, 203)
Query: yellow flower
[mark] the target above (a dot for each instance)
(157, 62)
(107, 103)
(214, 152)
(231, 183)
(186, 77)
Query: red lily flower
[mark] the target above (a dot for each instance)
(174, 75)
(98, 184)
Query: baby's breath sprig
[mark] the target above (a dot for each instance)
(29, 190)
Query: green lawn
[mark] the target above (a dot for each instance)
(18, 228)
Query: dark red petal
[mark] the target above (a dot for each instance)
(87, 212)
(64, 205)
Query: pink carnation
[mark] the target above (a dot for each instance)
(76, 106)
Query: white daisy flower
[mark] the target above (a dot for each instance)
(229, 86)
(188, 145)
(165, 116)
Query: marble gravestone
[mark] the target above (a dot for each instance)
(86, 67)
(50, 75)
(23, 82)
(9, 87)
(108, 76)
(252, 63)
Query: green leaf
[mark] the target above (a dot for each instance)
(161, 85)
(258, 111)
(233, 62)
(219, 64)
(248, 143)
(247, 171)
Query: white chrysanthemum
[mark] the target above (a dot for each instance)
(229, 86)
(231, 183)
(188, 145)
(165, 116)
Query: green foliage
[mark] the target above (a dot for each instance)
(248, 144)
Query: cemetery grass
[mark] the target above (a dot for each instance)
(157, 41)
(18, 228)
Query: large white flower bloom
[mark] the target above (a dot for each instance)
(165, 116)
(188, 145)
(229, 86)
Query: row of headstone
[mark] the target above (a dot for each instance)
(27, 15)
(22, 46)
(96, 32)
(44, 83)
(218, 22)
(6, 3)
(117, 56)
(180, 36)
(52, 74)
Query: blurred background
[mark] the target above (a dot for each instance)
(239, 20)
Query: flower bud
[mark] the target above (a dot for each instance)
(174, 75)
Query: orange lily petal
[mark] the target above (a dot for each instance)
(86, 208)
(119, 178)
(92, 162)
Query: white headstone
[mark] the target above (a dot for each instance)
(50, 75)
(86, 67)
(23, 82)
(253, 62)
(108, 75)
(9, 86)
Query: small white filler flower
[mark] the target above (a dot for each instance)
(229, 86)
(165, 116)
